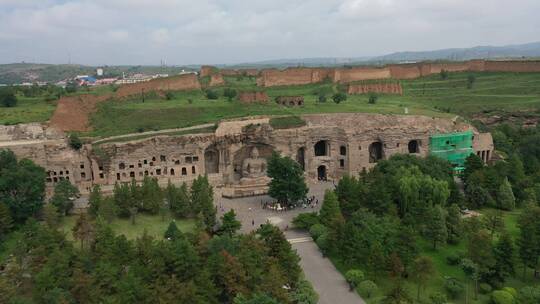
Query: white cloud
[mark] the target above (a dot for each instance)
(224, 31)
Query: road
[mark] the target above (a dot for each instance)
(326, 279)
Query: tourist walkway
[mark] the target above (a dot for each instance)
(326, 279)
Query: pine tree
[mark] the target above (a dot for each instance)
(436, 226)
(151, 195)
(529, 237)
(229, 223)
(123, 199)
(172, 232)
(330, 209)
(505, 196)
(472, 163)
(51, 216)
(454, 225)
(202, 198)
(94, 200)
(504, 257)
(178, 199)
(348, 192)
(6, 221)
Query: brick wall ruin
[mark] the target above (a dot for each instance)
(252, 97)
(216, 80)
(329, 144)
(384, 88)
(173, 83)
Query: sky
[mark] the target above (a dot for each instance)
(145, 32)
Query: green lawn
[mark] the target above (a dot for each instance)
(153, 224)
(27, 110)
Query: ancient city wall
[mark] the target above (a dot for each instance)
(384, 88)
(346, 75)
(292, 76)
(512, 66)
(174, 83)
(239, 72)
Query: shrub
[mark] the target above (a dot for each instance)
(470, 81)
(444, 74)
(367, 288)
(8, 99)
(511, 291)
(502, 297)
(190, 101)
(75, 142)
(305, 220)
(210, 94)
(322, 98)
(453, 287)
(339, 97)
(453, 259)
(485, 288)
(229, 93)
(438, 298)
(373, 98)
(169, 95)
(322, 243)
(317, 230)
(354, 277)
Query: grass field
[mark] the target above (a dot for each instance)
(152, 224)
(492, 93)
(444, 270)
(28, 110)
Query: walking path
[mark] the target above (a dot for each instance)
(164, 132)
(326, 279)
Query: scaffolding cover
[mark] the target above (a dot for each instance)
(454, 147)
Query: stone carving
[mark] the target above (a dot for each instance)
(254, 169)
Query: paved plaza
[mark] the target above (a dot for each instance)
(249, 210)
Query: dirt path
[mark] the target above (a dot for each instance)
(208, 125)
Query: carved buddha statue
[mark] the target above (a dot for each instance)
(254, 169)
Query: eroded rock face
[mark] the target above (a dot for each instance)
(329, 146)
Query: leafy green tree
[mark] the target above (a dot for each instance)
(75, 142)
(438, 298)
(354, 277)
(83, 230)
(288, 185)
(22, 186)
(229, 224)
(505, 196)
(473, 163)
(123, 200)
(348, 191)
(211, 94)
(502, 297)
(202, 198)
(422, 270)
(397, 295)
(367, 288)
(259, 298)
(330, 209)
(436, 227)
(94, 200)
(64, 195)
(151, 195)
(373, 98)
(406, 245)
(454, 225)
(444, 74)
(8, 99)
(493, 221)
(504, 254)
(470, 81)
(339, 97)
(107, 210)
(529, 237)
(178, 199)
(304, 293)
(6, 222)
(51, 216)
(229, 93)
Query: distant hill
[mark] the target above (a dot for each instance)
(528, 50)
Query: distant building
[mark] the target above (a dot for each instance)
(99, 71)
